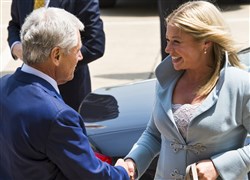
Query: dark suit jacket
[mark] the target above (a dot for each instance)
(93, 39)
(43, 138)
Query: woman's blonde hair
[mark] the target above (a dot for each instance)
(204, 21)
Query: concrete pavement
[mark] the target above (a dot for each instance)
(132, 40)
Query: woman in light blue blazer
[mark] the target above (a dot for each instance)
(202, 104)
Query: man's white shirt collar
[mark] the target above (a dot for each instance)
(28, 69)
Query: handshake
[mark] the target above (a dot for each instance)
(129, 165)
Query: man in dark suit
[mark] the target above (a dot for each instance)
(93, 38)
(40, 136)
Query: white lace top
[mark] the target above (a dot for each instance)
(183, 114)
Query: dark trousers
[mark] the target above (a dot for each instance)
(165, 7)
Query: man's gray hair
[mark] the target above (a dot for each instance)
(46, 28)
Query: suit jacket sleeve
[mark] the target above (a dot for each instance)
(14, 24)
(93, 37)
(68, 147)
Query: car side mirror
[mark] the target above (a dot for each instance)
(98, 107)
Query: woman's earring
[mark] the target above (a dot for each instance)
(205, 51)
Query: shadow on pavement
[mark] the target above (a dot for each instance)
(127, 76)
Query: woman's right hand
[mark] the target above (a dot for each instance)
(131, 168)
(206, 170)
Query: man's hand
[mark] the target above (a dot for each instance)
(121, 162)
(17, 51)
(206, 170)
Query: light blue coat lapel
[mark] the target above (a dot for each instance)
(167, 78)
(213, 96)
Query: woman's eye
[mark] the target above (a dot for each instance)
(173, 41)
(176, 42)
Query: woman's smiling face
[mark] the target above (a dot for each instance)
(186, 52)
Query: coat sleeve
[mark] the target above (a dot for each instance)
(68, 147)
(235, 164)
(93, 36)
(14, 26)
(146, 148)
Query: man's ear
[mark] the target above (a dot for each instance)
(55, 55)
